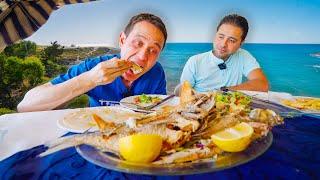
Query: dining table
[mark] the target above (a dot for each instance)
(293, 154)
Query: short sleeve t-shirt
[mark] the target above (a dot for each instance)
(203, 73)
(152, 82)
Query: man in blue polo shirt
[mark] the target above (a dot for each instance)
(227, 64)
(110, 77)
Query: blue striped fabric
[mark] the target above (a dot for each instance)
(19, 19)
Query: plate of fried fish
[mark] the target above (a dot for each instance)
(205, 132)
(302, 103)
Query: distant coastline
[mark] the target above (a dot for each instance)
(75, 54)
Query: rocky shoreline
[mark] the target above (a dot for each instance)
(74, 55)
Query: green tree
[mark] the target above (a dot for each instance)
(52, 53)
(17, 76)
(6, 111)
(50, 57)
(53, 69)
(22, 49)
(33, 72)
(79, 102)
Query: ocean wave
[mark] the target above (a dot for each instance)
(316, 66)
(317, 55)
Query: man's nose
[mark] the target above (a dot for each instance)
(224, 42)
(143, 53)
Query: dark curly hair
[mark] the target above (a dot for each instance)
(155, 20)
(237, 20)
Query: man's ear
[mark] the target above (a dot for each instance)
(122, 39)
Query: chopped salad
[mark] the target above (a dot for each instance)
(145, 99)
(232, 100)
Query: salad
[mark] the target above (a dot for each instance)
(145, 99)
(232, 100)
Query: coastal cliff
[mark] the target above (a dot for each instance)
(73, 55)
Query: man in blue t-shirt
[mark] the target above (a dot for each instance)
(227, 64)
(111, 77)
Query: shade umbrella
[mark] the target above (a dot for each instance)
(19, 19)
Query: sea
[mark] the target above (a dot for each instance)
(292, 68)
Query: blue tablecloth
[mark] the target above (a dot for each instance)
(294, 154)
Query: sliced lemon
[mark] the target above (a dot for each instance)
(233, 139)
(142, 148)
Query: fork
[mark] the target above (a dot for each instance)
(117, 102)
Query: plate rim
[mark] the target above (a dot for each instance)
(178, 172)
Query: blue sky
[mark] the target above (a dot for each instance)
(273, 21)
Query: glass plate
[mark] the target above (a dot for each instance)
(228, 160)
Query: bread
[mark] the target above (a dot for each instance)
(186, 92)
(136, 69)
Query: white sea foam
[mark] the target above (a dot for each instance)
(317, 55)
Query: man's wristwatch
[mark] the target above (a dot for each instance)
(224, 88)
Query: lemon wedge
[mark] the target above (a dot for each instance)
(233, 139)
(141, 148)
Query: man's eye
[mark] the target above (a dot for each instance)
(232, 41)
(153, 51)
(138, 43)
